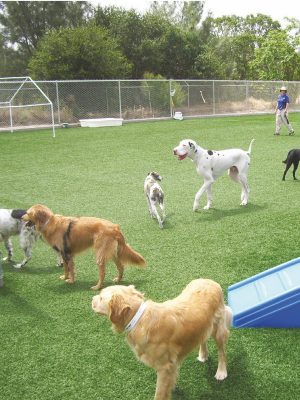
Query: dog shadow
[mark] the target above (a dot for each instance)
(166, 224)
(290, 181)
(65, 288)
(214, 214)
(85, 286)
(41, 270)
(20, 306)
(238, 384)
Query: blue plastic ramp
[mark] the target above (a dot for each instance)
(269, 299)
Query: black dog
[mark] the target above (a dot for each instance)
(293, 157)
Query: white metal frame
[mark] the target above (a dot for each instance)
(9, 104)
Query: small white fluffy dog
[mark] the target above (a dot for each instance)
(10, 225)
(162, 334)
(211, 164)
(155, 196)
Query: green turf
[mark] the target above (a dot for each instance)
(52, 344)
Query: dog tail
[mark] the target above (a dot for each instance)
(250, 146)
(287, 157)
(127, 255)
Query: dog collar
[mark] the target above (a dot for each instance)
(136, 318)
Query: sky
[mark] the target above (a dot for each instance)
(276, 9)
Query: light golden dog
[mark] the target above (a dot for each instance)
(162, 334)
(71, 235)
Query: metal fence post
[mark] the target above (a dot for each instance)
(120, 99)
(214, 99)
(171, 101)
(58, 105)
(10, 118)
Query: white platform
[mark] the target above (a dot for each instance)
(98, 122)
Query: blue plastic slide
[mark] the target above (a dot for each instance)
(269, 299)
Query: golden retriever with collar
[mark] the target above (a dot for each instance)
(162, 334)
(71, 235)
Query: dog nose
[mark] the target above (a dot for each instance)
(174, 152)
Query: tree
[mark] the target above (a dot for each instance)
(25, 22)
(277, 58)
(179, 51)
(186, 14)
(209, 65)
(231, 43)
(12, 62)
(80, 53)
(139, 36)
(191, 14)
(126, 28)
(231, 25)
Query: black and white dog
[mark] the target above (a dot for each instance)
(10, 225)
(155, 196)
(211, 164)
(293, 157)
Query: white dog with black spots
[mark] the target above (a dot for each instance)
(155, 197)
(212, 163)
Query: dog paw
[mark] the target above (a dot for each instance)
(244, 203)
(70, 280)
(116, 279)
(207, 207)
(221, 375)
(96, 287)
(202, 357)
(18, 266)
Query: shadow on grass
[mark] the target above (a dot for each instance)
(85, 286)
(166, 224)
(16, 304)
(42, 270)
(215, 214)
(288, 181)
(238, 384)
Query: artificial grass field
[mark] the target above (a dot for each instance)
(53, 346)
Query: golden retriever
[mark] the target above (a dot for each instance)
(71, 235)
(162, 334)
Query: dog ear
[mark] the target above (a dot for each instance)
(118, 312)
(18, 214)
(192, 146)
(135, 292)
(40, 214)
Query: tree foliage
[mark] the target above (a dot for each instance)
(276, 59)
(25, 22)
(186, 14)
(80, 53)
(54, 40)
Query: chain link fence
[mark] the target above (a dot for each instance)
(134, 100)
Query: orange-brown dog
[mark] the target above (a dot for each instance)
(162, 334)
(71, 235)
